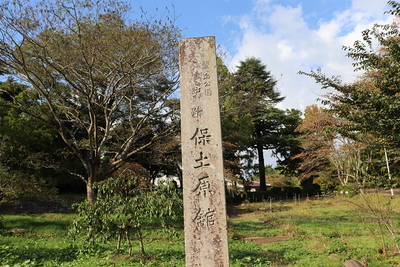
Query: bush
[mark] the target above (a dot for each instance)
(19, 186)
(122, 206)
(312, 189)
(351, 190)
(290, 191)
(275, 191)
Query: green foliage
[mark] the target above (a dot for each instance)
(28, 146)
(250, 121)
(35, 241)
(2, 230)
(320, 233)
(16, 185)
(337, 247)
(29, 256)
(122, 206)
(254, 80)
(381, 209)
(247, 254)
(348, 190)
(105, 84)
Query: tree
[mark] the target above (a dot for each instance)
(31, 152)
(370, 105)
(250, 120)
(259, 95)
(281, 138)
(123, 206)
(317, 143)
(328, 154)
(163, 157)
(103, 83)
(236, 125)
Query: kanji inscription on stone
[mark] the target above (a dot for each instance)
(206, 242)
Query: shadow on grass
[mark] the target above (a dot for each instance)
(263, 207)
(32, 254)
(35, 223)
(257, 228)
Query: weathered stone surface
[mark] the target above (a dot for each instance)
(352, 263)
(203, 181)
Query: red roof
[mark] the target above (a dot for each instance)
(257, 184)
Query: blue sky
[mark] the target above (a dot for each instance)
(287, 35)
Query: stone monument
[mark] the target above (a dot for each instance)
(206, 242)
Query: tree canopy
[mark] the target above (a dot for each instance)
(250, 121)
(369, 108)
(103, 83)
(371, 104)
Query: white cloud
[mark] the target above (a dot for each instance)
(245, 22)
(285, 50)
(372, 7)
(280, 36)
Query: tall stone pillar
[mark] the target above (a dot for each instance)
(206, 241)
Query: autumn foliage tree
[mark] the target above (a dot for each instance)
(331, 159)
(371, 105)
(317, 143)
(103, 83)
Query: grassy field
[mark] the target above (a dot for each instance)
(317, 232)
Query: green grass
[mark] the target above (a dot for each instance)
(321, 232)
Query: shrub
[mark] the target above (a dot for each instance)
(20, 186)
(312, 189)
(122, 206)
(351, 190)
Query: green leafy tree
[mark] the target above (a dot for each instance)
(236, 124)
(254, 96)
(31, 152)
(103, 83)
(164, 157)
(280, 137)
(124, 205)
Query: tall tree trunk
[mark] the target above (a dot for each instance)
(90, 193)
(94, 176)
(261, 167)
